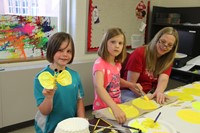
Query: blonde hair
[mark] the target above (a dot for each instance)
(158, 65)
(103, 51)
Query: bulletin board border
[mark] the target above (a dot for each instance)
(89, 48)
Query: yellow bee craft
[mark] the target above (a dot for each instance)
(49, 81)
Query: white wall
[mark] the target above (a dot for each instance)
(17, 103)
(78, 29)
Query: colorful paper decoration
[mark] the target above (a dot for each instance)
(141, 10)
(49, 81)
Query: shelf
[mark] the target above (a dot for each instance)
(189, 22)
(184, 76)
(177, 25)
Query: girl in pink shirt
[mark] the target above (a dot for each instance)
(106, 73)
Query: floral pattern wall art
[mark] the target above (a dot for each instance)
(25, 36)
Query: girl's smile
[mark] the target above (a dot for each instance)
(63, 56)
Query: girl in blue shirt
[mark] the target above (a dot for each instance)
(58, 89)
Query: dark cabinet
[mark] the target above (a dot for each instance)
(186, 20)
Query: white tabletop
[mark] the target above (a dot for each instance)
(168, 114)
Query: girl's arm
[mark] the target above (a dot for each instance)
(47, 105)
(133, 76)
(161, 86)
(103, 94)
(80, 108)
(132, 86)
(131, 83)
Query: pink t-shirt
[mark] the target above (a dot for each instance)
(137, 63)
(111, 82)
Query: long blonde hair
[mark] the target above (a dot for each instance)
(158, 65)
(103, 51)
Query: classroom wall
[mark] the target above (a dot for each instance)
(11, 81)
(17, 103)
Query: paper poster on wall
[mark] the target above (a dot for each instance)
(105, 14)
(25, 36)
(141, 10)
(96, 15)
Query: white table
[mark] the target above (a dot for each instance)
(168, 114)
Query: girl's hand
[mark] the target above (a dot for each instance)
(160, 97)
(120, 116)
(137, 89)
(48, 93)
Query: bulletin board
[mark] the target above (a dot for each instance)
(105, 14)
(24, 38)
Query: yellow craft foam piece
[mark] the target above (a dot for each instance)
(149, 123)
(144, 104)
(196, 105)
(145, 125)
(64, 78)
(146, 98)
(181, 95)
(196, 85)
(189, 115)
(130, 111)
(49, 81)
(137, 124)
(192, 91)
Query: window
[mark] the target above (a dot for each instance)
(29, 19)
(50, 8)
(21, 7)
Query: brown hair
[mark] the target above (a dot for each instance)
(103, 51)
(158, 65)
(54, 44)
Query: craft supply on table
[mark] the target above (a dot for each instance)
(143, 94)
(144, 124)
(154, 122)
(73, 125)
(139, 131)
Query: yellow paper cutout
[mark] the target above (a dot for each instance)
(145, 105)
(130, 111)
(145, 125)
(49, 82)
(192, 91)
(149, 123)
(196, 85)
(181, 95)
(196, 105)
(189, 115)
(137, 124)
